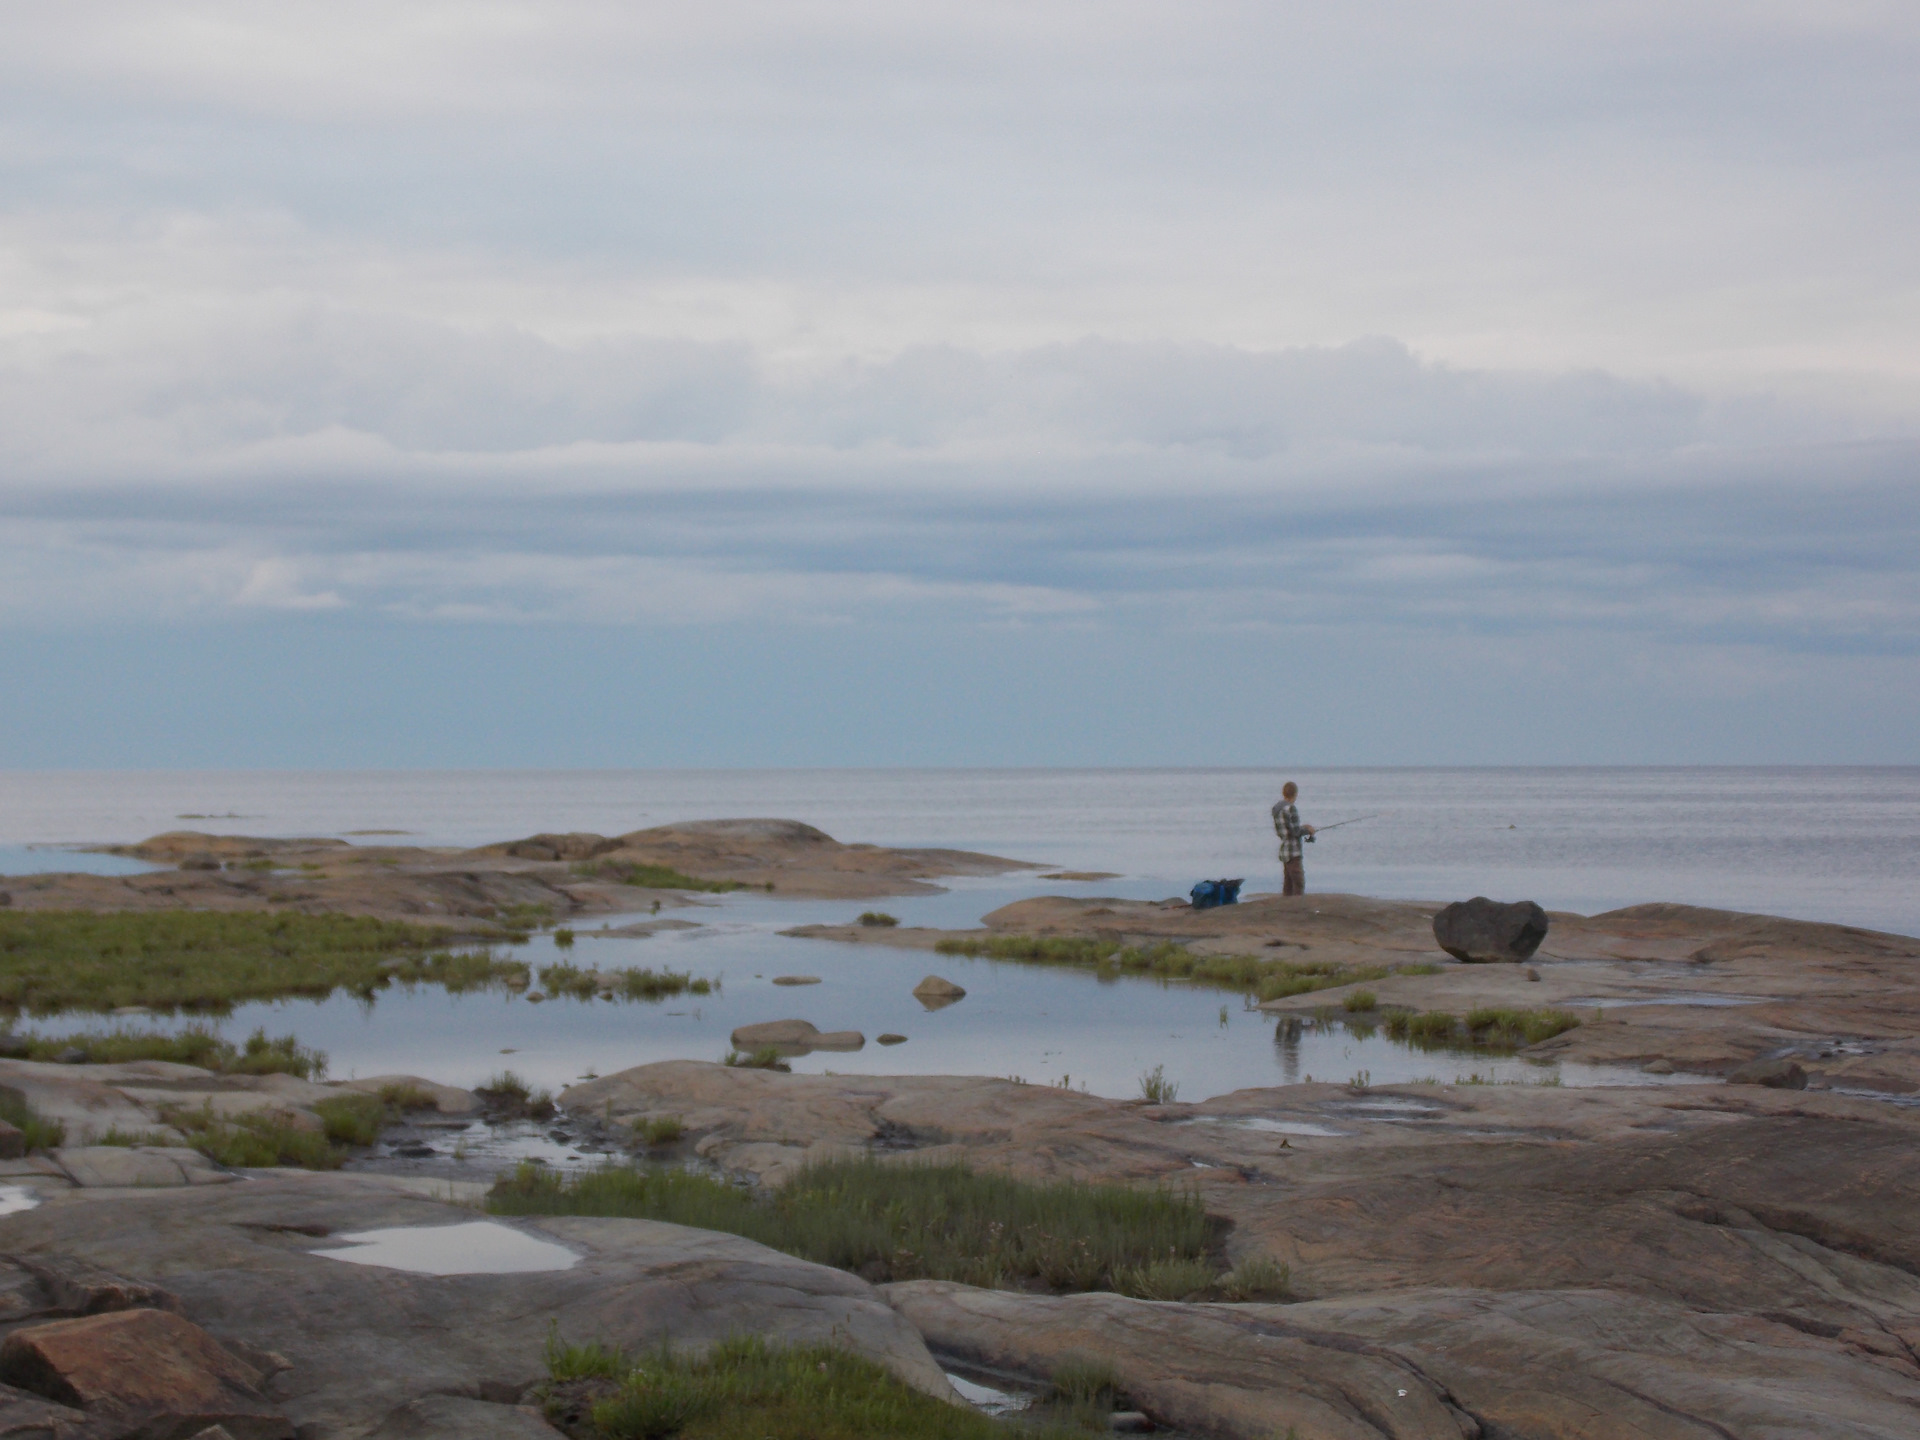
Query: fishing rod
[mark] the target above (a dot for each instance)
(1322, 829)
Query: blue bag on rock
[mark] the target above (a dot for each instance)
(1209, 893)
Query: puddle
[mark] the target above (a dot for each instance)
(1267, 1126)
(1614, 1002)
(998, 1403)
(480, 1247)
(15, 1198)
(1391, 1106)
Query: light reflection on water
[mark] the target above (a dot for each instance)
(1047, 1026)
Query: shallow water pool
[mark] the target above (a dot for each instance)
(1044, 1025)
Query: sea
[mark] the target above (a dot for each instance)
(1837, 844)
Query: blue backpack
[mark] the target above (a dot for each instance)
(1209, 893)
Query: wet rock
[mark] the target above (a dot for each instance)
(148, 1366)
(138, 1166)
(935, 992)
(774, 1032)
(1780, 1073)
(796, 979)
(1481, 930)
(796, 1035)
(1129, 1422)
(891, 1039)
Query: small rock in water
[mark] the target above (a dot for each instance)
(934, 992)
(893, 1039)
(796, 979)
(1532, 974)
(415, 1152)
(1780, 1073)
(1129, 1422)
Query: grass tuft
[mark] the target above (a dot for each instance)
(259, 1138)
(902, 1222)
(660, 1130)
(1497, 1030)
(1359, 1002)
(1156, 1089)
(506, 1093)
(879, 918)
(767, 1057)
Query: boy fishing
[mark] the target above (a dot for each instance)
(1286, 824)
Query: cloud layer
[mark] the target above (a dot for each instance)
(1586, 332)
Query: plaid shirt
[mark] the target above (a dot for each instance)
(1286, 824)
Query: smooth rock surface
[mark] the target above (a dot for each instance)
(364, 1342)
(138, 1166)
(454, 1417)
(1483, 931)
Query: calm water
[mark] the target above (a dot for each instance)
(1837, 844)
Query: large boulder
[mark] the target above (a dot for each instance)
(1481, 931)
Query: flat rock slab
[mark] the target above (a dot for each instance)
(1434, 1364)
(366, 1341)
(142, 1167)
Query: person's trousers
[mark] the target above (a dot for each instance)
(1295, 882)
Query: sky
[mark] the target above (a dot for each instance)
(837, 383)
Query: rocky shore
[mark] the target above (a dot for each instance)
(558, 876)
(1493, 1262)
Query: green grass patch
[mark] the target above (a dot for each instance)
(36, 1131)
(661, 1130)
(195, 1045)
(506, 1093)
(260, 1138)
(1261, 976)
(1360, 1002)
(906, 1222)
(1156, 1089)
(878, 919)
(564, 978)
(747, 1388)
(767, 1057)
(204, 962)
(652, 877)
(1494, 1030)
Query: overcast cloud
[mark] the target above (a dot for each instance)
(1395, 344)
